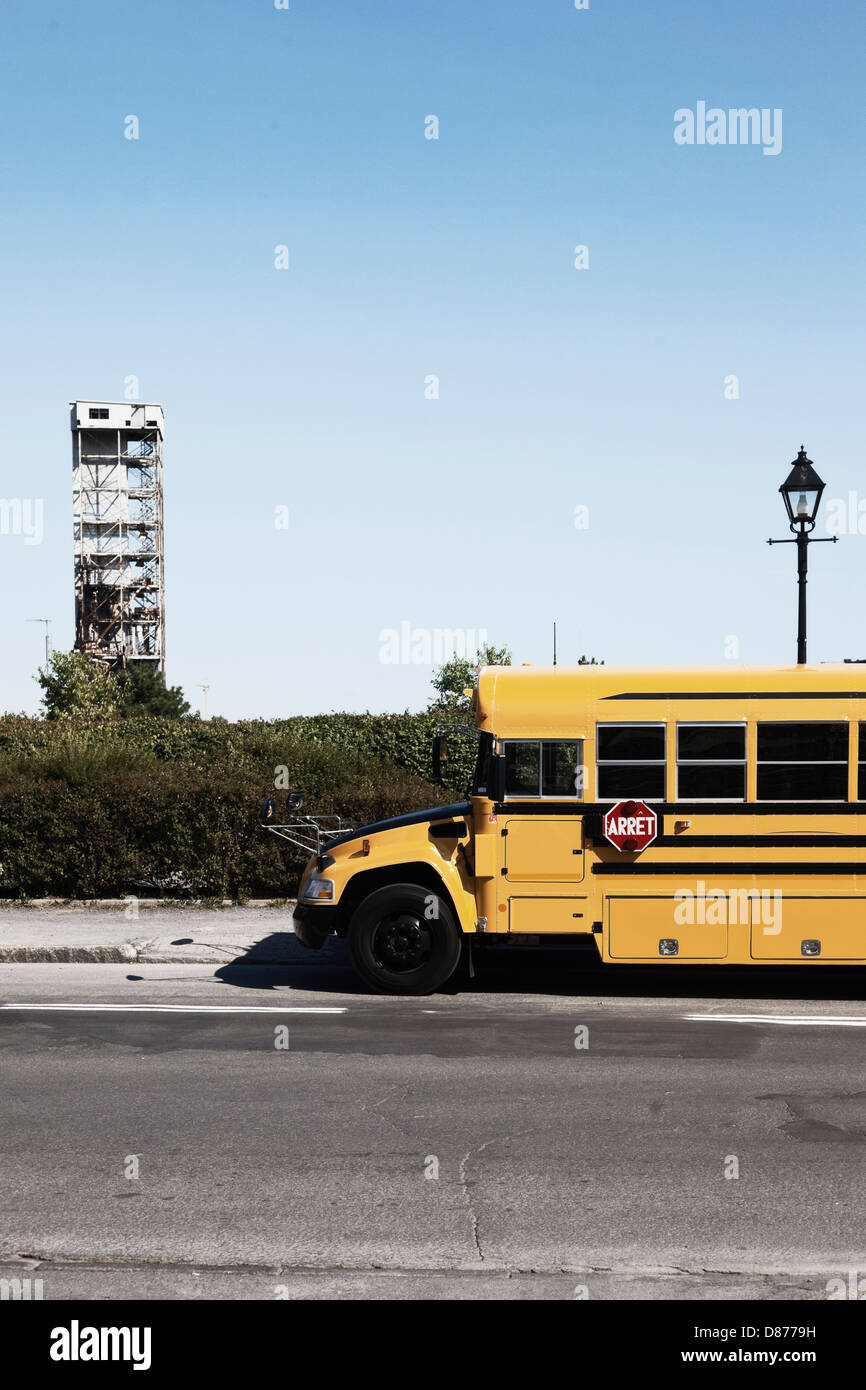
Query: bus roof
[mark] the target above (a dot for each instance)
(524, 701)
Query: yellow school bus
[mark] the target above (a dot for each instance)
(688, 816)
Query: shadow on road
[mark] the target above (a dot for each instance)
(280, 961)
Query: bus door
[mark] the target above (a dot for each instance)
(543, 861)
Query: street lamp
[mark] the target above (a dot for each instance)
(801, 492)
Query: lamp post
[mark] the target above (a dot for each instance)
(801, 492)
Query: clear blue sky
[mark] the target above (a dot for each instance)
(409, 257)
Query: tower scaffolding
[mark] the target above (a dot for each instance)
(118, 532)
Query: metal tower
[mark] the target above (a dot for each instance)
(117, 509)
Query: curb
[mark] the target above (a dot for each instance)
(49, 955)
(147, 950)
(127, 954)
(167, 904)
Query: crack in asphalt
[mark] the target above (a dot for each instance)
(473, 1218)
(465, 1184)
(389, 1095)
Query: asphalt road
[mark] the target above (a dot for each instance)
(459, 1146)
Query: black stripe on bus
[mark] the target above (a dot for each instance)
(730, 870)
(738, 695)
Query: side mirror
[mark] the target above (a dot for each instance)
(440, 757)
(266, 815)
(496, 777)
(294, 802)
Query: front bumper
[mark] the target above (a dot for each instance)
(314, 924)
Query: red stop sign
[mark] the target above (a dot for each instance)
(631, 825)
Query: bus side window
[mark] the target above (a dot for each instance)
(711, 762)
(802, 762)
(522, 767)
(549, 768)
(562, 768)
(630, 761)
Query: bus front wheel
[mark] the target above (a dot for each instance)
(403, 939)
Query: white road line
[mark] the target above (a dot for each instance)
(167, 1009)
(792, 1020)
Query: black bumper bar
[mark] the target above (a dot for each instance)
(313, 925)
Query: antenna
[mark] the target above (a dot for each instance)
(47, 622)
(554, 643)
(205, 686)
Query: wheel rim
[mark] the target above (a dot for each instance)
(402, 943)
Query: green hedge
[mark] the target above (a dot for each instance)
(402, 739)
(171, 806)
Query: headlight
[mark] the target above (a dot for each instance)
(318, 890)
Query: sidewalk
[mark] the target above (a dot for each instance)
(150, 932)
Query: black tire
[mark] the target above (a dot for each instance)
(403, 939)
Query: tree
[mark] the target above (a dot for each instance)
(72, 683)
(145, 692)
(588, 661)
(453, 677)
